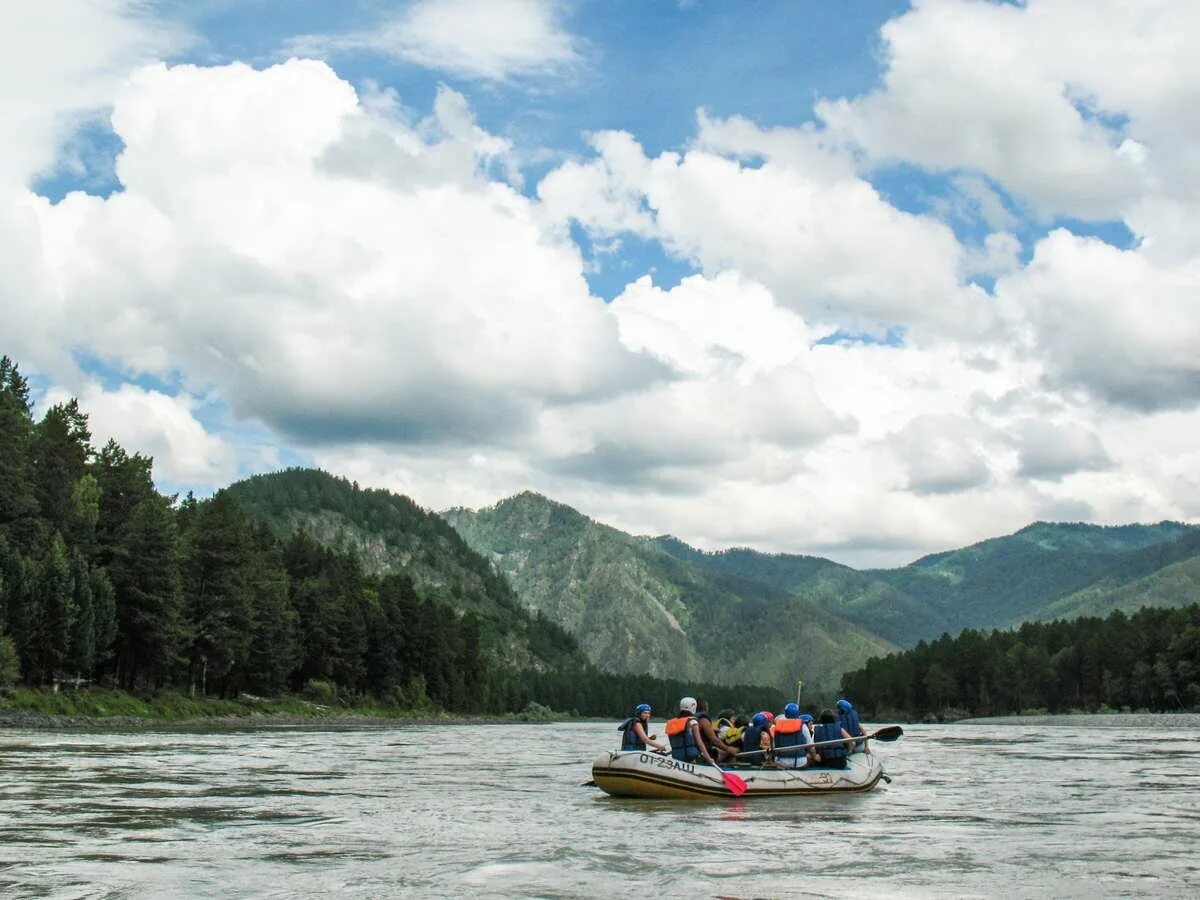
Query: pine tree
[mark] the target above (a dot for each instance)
(50, 614)
(18, 501)
(61, 447)
(145, 579)
(216, 592)
(104, 618)
(81, 630)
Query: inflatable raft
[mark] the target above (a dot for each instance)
(636, 773)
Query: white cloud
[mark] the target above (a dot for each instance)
(60, 62)
(1075, 108)
(321, 267)
(941, 454)
(992, 87)
(1108, 321)
(822, 240)
(158, 425)
(1050, 450)
(491, 40)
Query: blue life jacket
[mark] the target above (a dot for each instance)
(751, 738)
(852, 723)
(789, 743)
(683, 743)
(830, 732)
(630, 740)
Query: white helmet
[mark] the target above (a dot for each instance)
(687, 704)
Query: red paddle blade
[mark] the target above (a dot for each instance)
(736, 784)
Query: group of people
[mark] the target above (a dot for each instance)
(791, 740)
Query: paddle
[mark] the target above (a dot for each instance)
(886, 734)
(736, 784)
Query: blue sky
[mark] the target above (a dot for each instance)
(862, 279)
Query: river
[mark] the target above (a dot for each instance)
(501, 810)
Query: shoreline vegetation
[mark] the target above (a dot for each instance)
(41, 708)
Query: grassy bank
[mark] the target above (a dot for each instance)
(46, 708)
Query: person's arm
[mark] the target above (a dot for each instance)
(710, 736)
(698, 734)
(849, 738)
(640, 731)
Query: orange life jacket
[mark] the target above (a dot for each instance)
(788, 737)
(683, 741)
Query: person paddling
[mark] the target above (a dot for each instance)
(832, 755)
(683, 731)
(634, 730)
(848, 719)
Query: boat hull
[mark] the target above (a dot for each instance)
(642, 774)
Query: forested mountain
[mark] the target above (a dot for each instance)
(635, 607)
(1163, 575)
(1011, 579)
(1043, 571)
(871, 603)
(390, 534)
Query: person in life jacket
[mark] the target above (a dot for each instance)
(757, 745)
(849, 720)
(832, 756)
(792, 738)
(633, 731)
(716, 747)
(683, 731)
(730, 728)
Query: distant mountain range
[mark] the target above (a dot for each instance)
(531, 568)
(635, 607)
(649, 602)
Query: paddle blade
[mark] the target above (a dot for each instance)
(736, 784)
(890, 733)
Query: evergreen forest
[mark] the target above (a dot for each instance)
(1149, 660)
(104, 581)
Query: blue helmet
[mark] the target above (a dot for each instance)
(760, 720)
(805, 717)
(792, 711)
(641, 708)
(844, 705)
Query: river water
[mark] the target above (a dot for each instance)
(501, 810)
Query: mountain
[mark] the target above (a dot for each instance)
(389, 534)
(1162, 575)
(1045, 570)
(635, 607)
(1008, 580)
(871, 603)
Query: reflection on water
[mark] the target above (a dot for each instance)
(975, 810)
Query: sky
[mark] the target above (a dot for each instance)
(865, 280)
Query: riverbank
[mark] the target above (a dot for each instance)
(88, 708)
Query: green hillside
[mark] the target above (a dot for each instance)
(869, 602)
(391, 534)
(633, 606)
(1164, 575)
(1010, 579)
(1042, 571)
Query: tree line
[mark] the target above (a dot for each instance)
(103, 580)
(1149, 660)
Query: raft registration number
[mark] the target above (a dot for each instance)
(667, 762)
